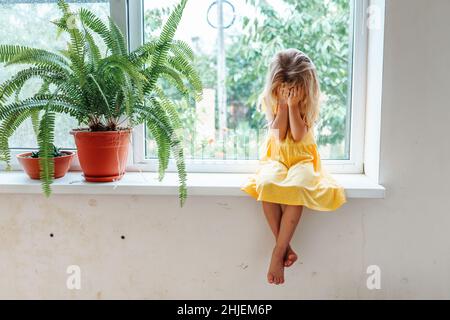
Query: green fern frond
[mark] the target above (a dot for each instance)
(63, 6)
(175, 78)
(165, 42)
(178, 154)
(45, 87)
(176, 147)
(34, 115)
(176, 141)
(7, 52)
(141, 55)
(156, 116)
(169, 107)
(124, 65)
(71, 89)
(171, 25)
(180, 47)
(92, 49)
(163, 147)
(45, 143)
(184, 66)
(15, 84)
(77, 45)
(118, 38)
(60, 105)
(7, 129)
(40, 58)
(89, 19)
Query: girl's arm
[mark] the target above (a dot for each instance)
(281, 121)
(296, 123)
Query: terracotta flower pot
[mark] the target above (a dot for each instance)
(102, 154)
(32, 168)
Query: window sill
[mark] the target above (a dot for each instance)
(199, 184)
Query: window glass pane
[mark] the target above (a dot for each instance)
(28, 23)
(199, 120)
(253, 31)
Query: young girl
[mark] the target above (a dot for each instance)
(290, 175)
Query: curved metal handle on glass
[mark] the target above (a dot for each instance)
(232, 8)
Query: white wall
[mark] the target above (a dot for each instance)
(219, 247)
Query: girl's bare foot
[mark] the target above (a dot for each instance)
(290, 257)
(276, 268)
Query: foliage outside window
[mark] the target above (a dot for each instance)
(321, 28)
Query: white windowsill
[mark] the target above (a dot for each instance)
(199, 184)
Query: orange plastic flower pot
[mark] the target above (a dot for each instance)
(32, 168)
(102, 154)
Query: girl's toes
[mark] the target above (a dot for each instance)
(270, 278)
(291, 258)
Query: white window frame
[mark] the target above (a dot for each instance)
(356, 120)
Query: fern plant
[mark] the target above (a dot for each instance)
(102, 91)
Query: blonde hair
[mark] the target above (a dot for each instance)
(294, 68)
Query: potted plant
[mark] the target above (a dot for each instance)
(108, 93)
(30, 162)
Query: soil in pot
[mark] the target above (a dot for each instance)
(31, 165)
(102, 154)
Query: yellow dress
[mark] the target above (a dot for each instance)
(291, 173)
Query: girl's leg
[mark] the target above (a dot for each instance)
(291, 256)
(273, 213)
(289, 221)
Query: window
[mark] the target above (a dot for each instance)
(27, 23)
(233, 41)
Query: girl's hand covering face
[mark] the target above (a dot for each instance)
(288, 96)
(283, 95)
(294, 97)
